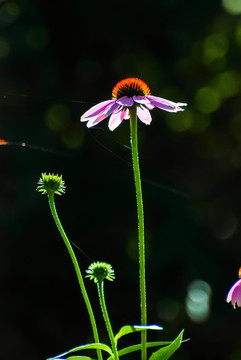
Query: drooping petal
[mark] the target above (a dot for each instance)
(149, 106)
(127, 93)
(125, 101)
(234, 294)
(229, 296)
(96, 110)
(126, 114)
(95, 120)
(164, 104)
(237, 294)
(113, 109)
(116, 119)
(144, 115)
(141, 100)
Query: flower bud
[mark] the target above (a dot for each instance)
(51, 184)
(99, 271)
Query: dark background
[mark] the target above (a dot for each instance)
(57, 60)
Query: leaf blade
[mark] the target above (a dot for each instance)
(137, 347)
(128, 329)
(166, 352)
(78, 357)
(93, 346)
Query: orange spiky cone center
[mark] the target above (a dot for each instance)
(130, 87)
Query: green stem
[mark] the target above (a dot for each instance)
(100, 286)
(77, 270)
(140, 215)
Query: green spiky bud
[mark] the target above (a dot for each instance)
(99, 271)
(51, 184)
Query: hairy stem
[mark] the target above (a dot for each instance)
(77, 270)
(100, 286)
(140, 215)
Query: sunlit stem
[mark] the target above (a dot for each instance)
(140, 215)
(100, 286)
(77, 270)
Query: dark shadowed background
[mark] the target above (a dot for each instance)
(57, 60)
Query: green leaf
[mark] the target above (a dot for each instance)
(137, 347)
(79, 358)
(128, 329)
(166, 352)
(94, 346)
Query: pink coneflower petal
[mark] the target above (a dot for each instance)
(149, 106)
(116, 119)
(113, 108)
(126, 114)
(141, 100)
(229, 296)
(130, 92)
(95, 120)
(97, 109)
(237, 295)
(234, 294)
(164, 104)
(125, 101)
(144, 115)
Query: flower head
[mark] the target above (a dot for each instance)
(51, 184)
(125, 94)
(234, 294)
(99, 271)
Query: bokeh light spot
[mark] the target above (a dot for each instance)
(227, 83)
(187, 120)
(238, 34)
(233, 7)
(9, 12)
(73, 138)
(12, 8)
(57, 117)
(180, 122)
(200, 122)
(207, 100)
(215, 46)
(198, 301)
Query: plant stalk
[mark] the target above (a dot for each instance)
(100, 286)
(77, 270)
(140, 215)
